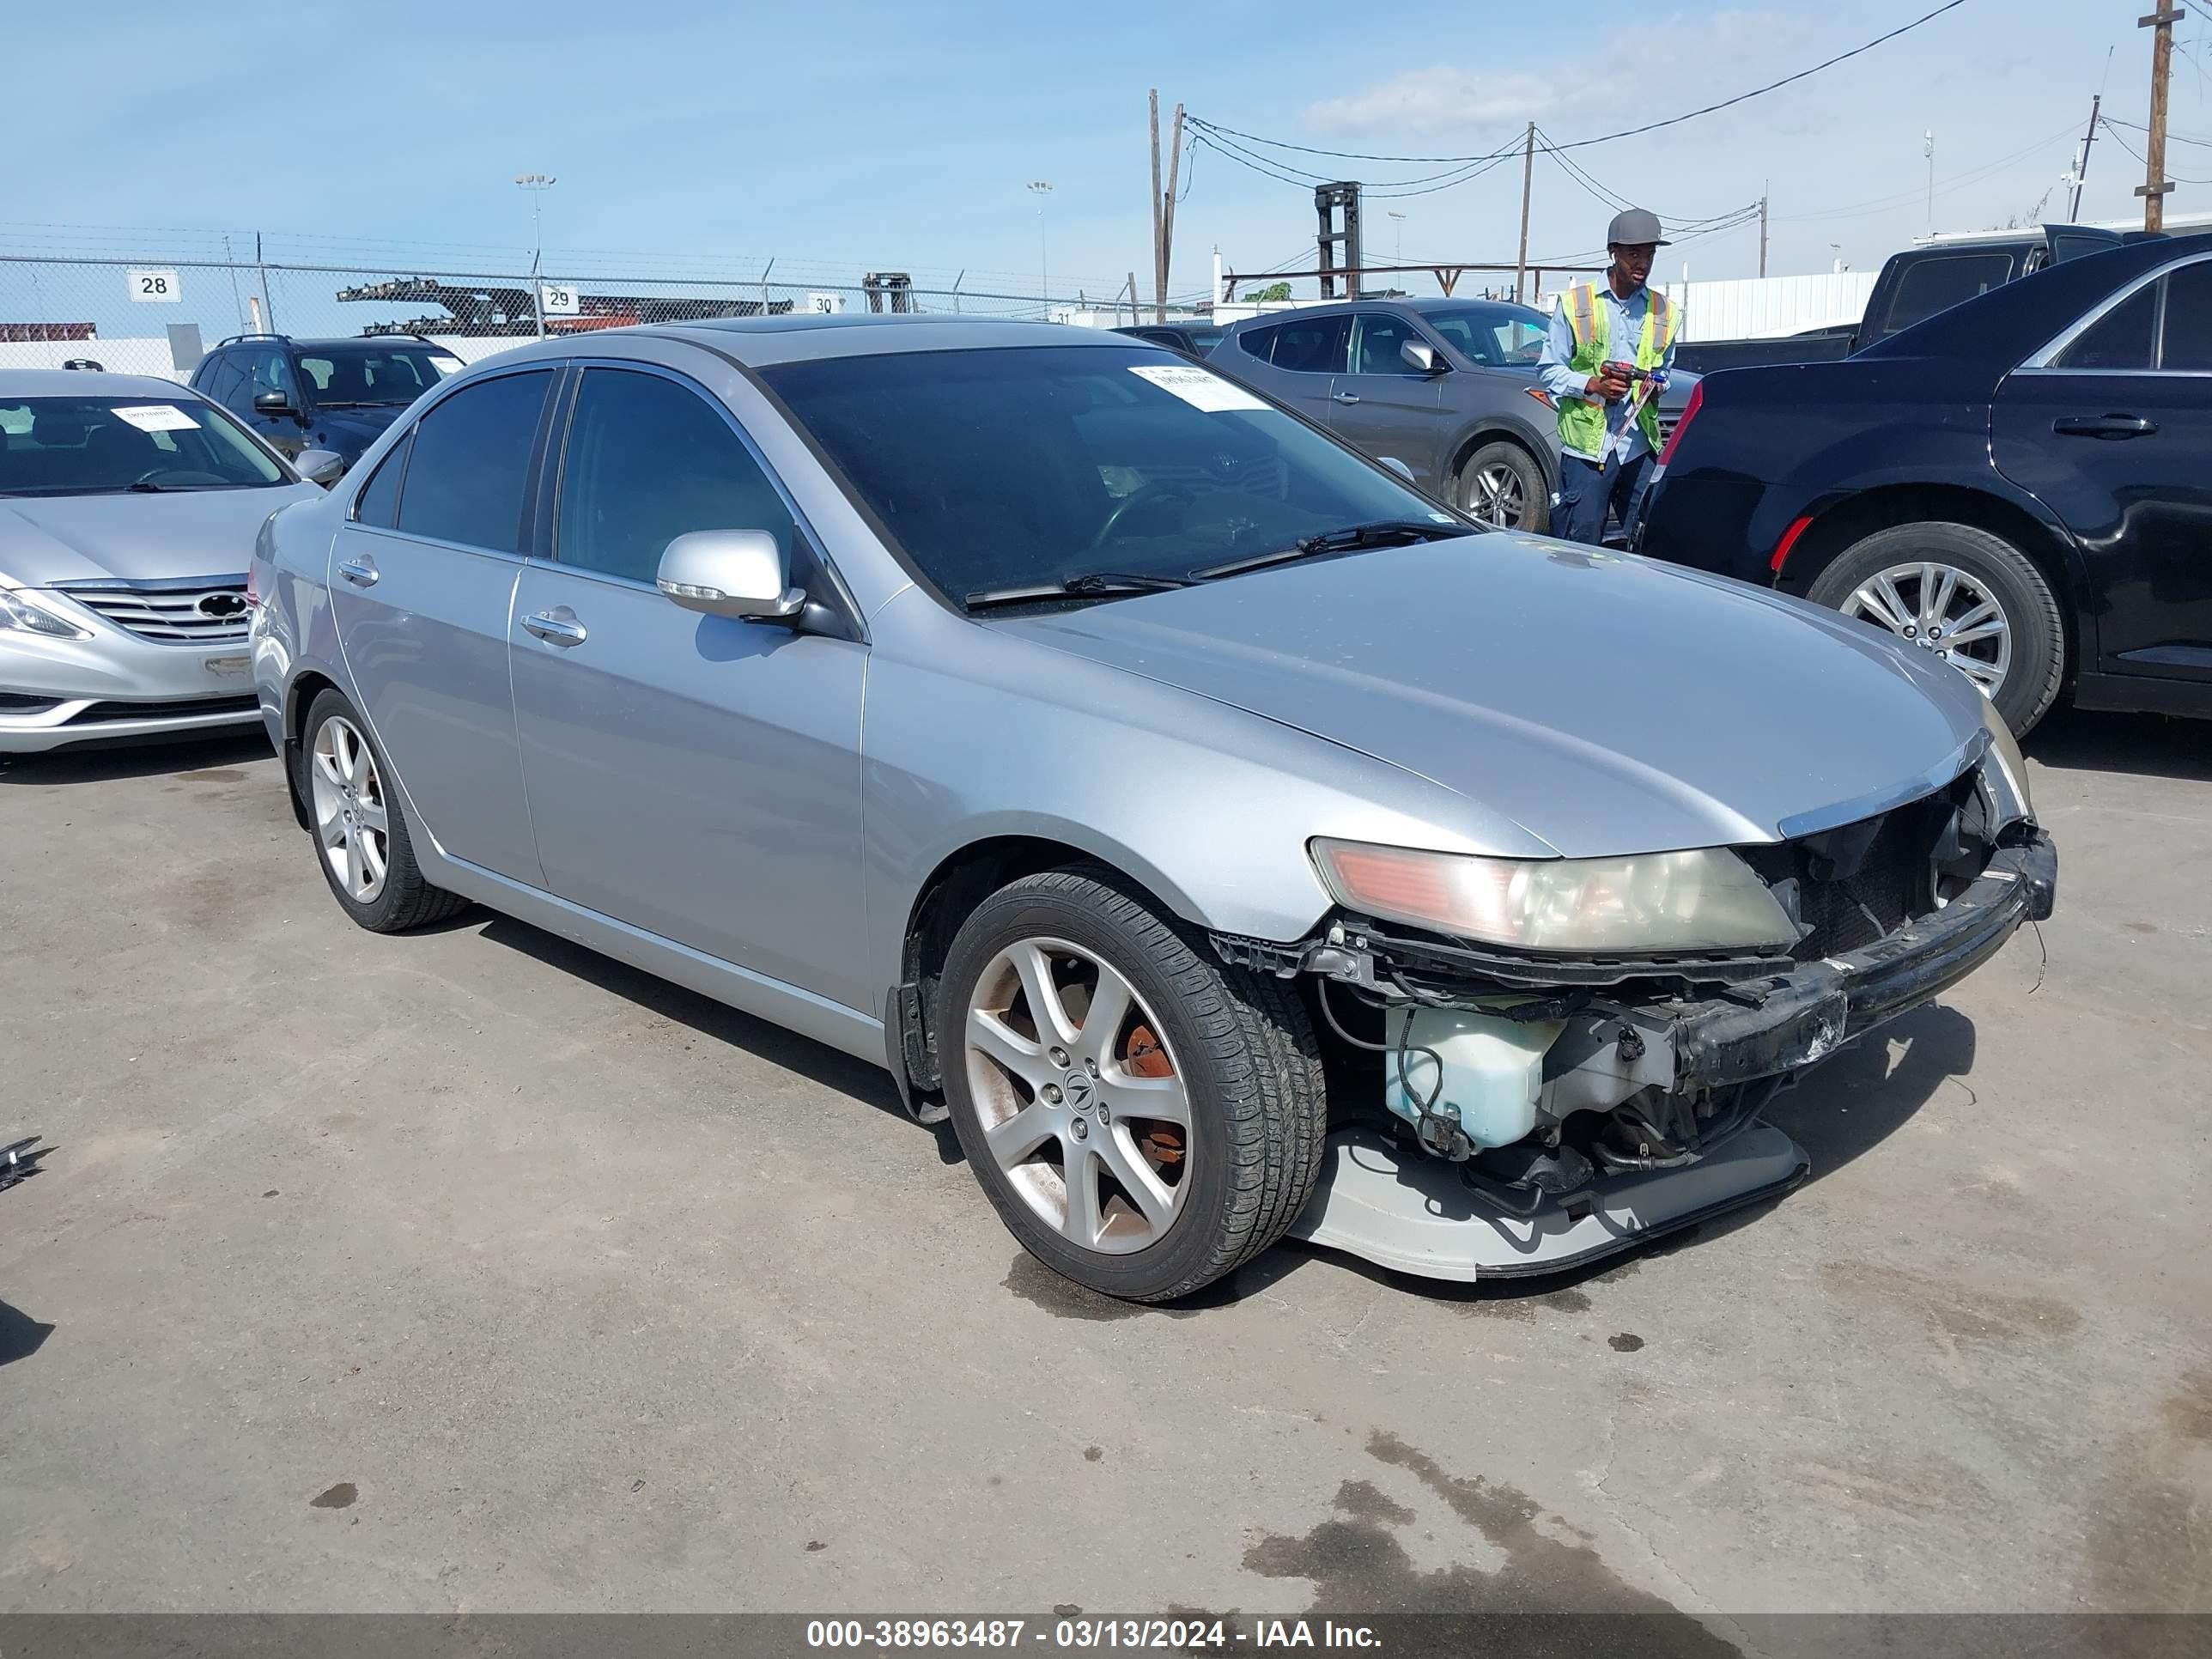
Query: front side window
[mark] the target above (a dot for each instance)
(1929, 286)
(649, 460)
(1492, 334)
(1376, 339)
(110, 446)
(1312, 345)
(2188, 337)
(372, 376)
(266, 370)
(1001, 468)
(471, 464)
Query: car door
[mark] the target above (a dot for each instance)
(698, 777)
(2112, 427)
(1382, 406)
(422, 578)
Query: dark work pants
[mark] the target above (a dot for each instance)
(1586, 495)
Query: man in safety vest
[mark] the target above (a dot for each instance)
(1611, 344)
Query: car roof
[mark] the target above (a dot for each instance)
(803, 337)
(87, 383)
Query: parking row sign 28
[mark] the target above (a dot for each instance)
(153, 288)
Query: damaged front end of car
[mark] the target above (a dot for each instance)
(1535, 1063)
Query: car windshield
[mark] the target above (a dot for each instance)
(106, 445)
(1029, 466)
(359, 377)
(1492, 334)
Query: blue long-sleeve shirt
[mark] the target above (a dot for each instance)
(1625, 327)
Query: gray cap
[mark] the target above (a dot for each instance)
(1633, 229)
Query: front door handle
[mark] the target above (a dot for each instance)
(2109, 427)
(558, 626)
(360, 572)
(1346, 397)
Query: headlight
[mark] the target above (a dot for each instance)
(1703, 900)
(17, 612)
(2009, 765)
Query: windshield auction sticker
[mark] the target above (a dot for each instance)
(156, 417)
(1200, 388)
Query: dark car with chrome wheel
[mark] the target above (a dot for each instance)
(2020, 485)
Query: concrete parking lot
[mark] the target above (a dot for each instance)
(471, 1271)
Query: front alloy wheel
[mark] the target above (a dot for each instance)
(1080, 1101)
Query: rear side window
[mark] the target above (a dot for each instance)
(2117, 341)
(379, 497)
(471, 464)
(1312, 346)
(1929, 286)
(649, 460)
(2187, 343)
(1259, 342)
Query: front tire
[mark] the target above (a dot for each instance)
(1143, 1118)
(1969, 598)
(359, 832)
(1501, 484)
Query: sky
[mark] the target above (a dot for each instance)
(874, 135)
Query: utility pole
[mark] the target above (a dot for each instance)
(2156, 185)
(1928, 147)
(2082, 167)
(1528, 177)
(537, 184)
(1763, 190)
(1167, 214)
(1042, 188)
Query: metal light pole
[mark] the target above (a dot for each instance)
(537, 184)
(1042, 188)
(1928, 147)
(1397, 224)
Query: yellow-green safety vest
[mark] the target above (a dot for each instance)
(1581, 420)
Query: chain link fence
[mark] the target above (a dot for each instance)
(152, 315)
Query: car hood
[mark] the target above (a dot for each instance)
(46, 539)
(349, 431)
(1605, 703)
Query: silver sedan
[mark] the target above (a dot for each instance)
(1229, 839)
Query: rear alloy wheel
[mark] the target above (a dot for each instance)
(1966, 597)
(1501, 484)
(1144, 1118)
(359, 832)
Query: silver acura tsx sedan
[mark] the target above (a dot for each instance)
(1232, 840)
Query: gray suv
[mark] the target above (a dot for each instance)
(1447, 386)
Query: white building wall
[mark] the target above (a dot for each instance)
(1756, 307)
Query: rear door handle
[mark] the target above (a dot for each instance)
(360, 572)
(2110, 427)
(1346, 397)
(558, 626)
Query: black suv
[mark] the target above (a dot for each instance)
(321, 394)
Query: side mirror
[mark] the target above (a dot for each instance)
(320, 467)
(272, 403)
(730, 573)
(1418, 355)
(1397, 467)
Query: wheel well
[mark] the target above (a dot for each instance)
(1857, 517)
(300, 698)
(1494, 435)
(963, 881)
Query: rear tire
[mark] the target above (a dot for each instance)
(1983, 598)
(359, 829)
(1229, 1053)
(1502, 484)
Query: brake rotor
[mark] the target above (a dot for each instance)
(1161, 1142)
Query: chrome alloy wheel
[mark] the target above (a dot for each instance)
(351, 821)
(1943, 609)
(1494, 495)
(1080, 1101)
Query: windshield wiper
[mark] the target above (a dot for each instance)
(146, 487)
(358, 402)
(1383, 532)
(1093, 584)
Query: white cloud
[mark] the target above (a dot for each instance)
(1438, 99)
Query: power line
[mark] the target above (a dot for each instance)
(2172, 138)
(1882, 203)
(2172, 177)
(1606, 138)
